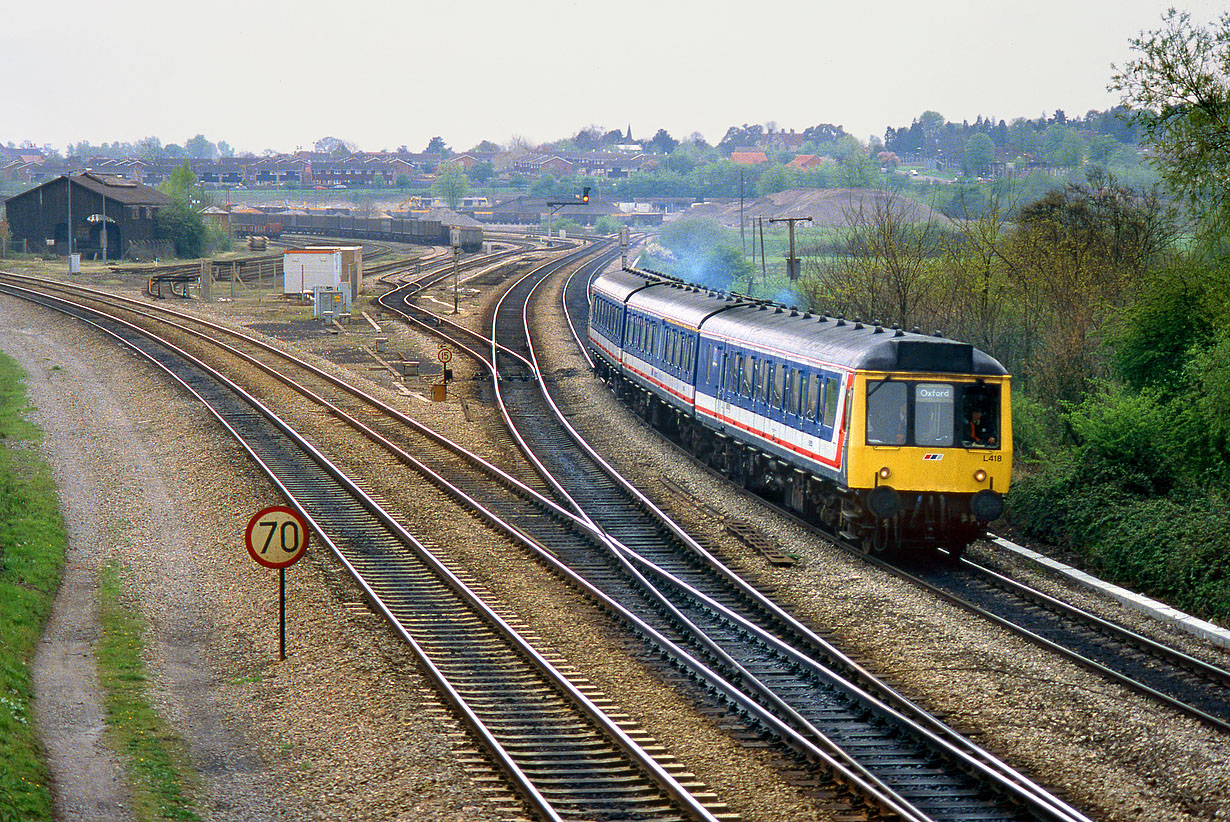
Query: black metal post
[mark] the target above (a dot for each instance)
(281, 613)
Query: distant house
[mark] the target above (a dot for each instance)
(539, 164)
(748, 158)
(219, 217)
(803, 162)
(473, 158)
(80, 206)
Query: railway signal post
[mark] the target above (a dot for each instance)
(555, 205)
(277, 537)
(792, 262)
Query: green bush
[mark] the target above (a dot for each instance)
(1035, 427)
(1126, 500)
(181, 225)
(1126, 437)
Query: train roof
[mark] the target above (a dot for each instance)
(621, 284)
(775, 328)
(848, 343)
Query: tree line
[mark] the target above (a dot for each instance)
(1109, 305)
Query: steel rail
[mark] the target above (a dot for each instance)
(965, 749)
(1079, 616)
(423, 554)
(1096, 623)
(1009, 779)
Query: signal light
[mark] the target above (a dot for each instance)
(585, 194)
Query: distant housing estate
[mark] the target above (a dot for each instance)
(306, 168)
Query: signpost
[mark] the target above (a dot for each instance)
(440, 390)
(277, 537)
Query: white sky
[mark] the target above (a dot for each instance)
(283, 73)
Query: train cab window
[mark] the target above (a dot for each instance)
(887, 408)
(980, 416)
(934, 413)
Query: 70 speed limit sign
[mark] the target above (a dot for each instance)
(277, 537)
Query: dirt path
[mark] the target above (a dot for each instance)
(116, 506)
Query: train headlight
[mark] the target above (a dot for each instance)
(980, 475)
(885, 473)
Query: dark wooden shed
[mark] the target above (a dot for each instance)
(85, 202)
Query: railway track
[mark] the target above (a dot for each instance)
(1170, 677)
(1164, 674)
(559, 751)
(532, 515)
(816, 702)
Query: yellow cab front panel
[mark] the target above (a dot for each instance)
(930, 433)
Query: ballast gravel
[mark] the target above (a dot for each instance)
(348, 728)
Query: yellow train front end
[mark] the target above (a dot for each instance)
(929, 459)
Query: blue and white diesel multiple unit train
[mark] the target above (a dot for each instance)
(896, 440)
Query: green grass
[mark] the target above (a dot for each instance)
(155, 758)
(32, 546)
(31, 558)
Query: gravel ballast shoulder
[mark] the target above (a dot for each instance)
(343, 729)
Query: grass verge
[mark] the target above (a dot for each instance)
(32, 544)
(160, 776)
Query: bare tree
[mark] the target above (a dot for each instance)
(883, 265)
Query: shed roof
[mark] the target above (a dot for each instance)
(114, 188)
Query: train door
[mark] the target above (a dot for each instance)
(728, 386)
(710, 380)
(771, 413)
(777, 394)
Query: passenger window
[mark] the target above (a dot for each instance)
(886, 412)
(765, 377)
(813, 397)
(749, 378)
(831, 391)
(934, 408)
(779, 385)
(796, 392)
(736, 375)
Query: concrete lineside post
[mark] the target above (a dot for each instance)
(206, 280)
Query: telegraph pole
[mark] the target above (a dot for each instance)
(792, 262)
(764, 272)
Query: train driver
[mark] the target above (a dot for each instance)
(979, 430)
